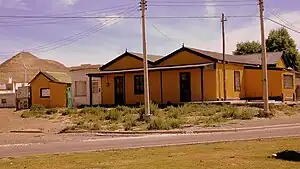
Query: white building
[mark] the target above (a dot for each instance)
(8, 93)
(80, 85)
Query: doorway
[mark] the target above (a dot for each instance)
(119, 90)
(185, 87)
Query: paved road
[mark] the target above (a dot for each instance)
(143, 141)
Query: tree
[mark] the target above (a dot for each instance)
(243, 48)
(279, 40)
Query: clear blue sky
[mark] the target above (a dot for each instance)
(163, 35)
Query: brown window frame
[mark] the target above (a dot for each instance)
(3, 101)
(138, 84)
(284, 84)
(237, 88)
(76, 88)
(41, 93)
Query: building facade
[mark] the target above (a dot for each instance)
(192, 75)
(51, 89)
(80, 85)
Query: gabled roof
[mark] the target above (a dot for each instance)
(57, 77)
(151, 58)
(253, 59)
(84, 67)
(273, 58)
(139, 56)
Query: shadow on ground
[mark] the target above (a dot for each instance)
(288, 155)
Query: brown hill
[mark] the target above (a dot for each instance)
(14, 68)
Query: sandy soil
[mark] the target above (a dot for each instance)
(11, 120)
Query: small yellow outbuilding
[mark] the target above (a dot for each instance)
(51, 89)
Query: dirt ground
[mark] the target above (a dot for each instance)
(11, 120)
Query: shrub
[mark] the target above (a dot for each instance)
(113, 115)
(158, 124)
(174, 123)
(36, 114)
(51, 111)
(262, 114)
(68, 111)
(174, 112)
(154, 110)
(96, 111)
(129, 122)
(36, 107)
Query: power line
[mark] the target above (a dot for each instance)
(42, 21)
(283, 25)
(202, 1)
(73, 38)
(79, 36)
(163, 34)
(198, 5)
(282, 19)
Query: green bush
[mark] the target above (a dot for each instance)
(174, 123)
(94, 111)
(51, 111)
(113, 115)
(68, 111)
(36, 107)
(129, 122)
(36, 114)
(158, 124)
(174, 112)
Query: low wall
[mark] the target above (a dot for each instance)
(8, 100)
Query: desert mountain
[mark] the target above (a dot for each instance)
(14, 67)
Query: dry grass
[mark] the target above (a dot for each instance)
(232, 155)
(127, 118)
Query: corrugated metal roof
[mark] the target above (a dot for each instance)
(151, 58)
(58, 77)
(273, 57)
(85, 66)
(153, 69)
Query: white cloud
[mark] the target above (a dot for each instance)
(109, 20)
(196, 36)
(69, 2)
(252, 31)
(14, 4)
(210, 9)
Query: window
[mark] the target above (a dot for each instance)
(80, 88)
(95, 87)
(3, 101)
(237, 81)
(44, 92)
(138, 84)
(288, 81)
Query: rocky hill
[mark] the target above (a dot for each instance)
(14, 67)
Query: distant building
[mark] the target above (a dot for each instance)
(8, 93)
(51, 89)
(80, 85)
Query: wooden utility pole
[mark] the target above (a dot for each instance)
(264, 58)
(146, 78)
(224, 58)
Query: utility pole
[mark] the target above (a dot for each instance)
(224, 59)
(264, 58)
(146, 78)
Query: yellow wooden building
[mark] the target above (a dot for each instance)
(192, 75)
(51, 89)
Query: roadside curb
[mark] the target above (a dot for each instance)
(27, 131)
(133, 133)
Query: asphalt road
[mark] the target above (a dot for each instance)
(142, 141)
